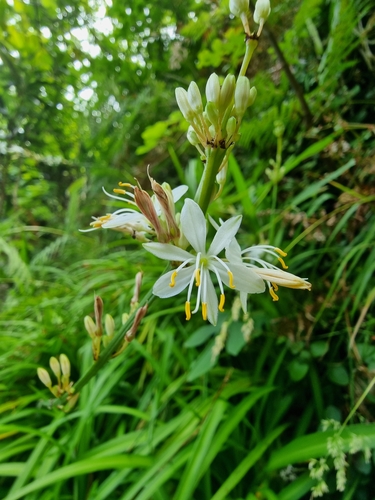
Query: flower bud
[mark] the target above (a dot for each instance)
(213, 89)
(65, 365)
(238, 7)
(192, 136)
(183, 104)
(212, 113)
(231, 127)
(90, 326)
(55, 367)
(226, 92)
(252, 96)
(109, 324)
(44, 377)
(262, 11)
(195, 98)
(241, 95)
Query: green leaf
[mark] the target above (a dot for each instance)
(338, 375)
(298, 369)
(200, 336)
(204, 362)
(236, 340)
(319, 348)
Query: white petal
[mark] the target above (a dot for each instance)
(233, 252)
(244, 279)
(193, 225)
(212, 303)
(162, 287)
(224, 235)
(243, 299)
(178, 192)
(168, 252)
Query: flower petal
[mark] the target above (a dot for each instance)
(224, 235)
(178, 192)
(193, 225)
(162, 287)
(212, 303)
(168, 252)
(233, 252)
(244, 279)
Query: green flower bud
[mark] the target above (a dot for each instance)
(226, 93)
(212, 113)
(55, 366)
(231, 127)
(65, 365)
(252, 96)
(109, 324)
(183, 104)
(238, 7)
(262, 11)
(242, 95)
(192, 136)
(90, 326)
(195, 98)
(44, 377)
(213, 89)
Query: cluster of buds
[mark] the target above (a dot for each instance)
(153, 217)
(95, 328)
(240, 8)
(61, 370)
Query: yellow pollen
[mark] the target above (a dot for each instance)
(125, 184)
(273, 295)
(282, 263)
(221, 303)
(280, 252)
(197, 277)
(231, 285)
(204, 310)
(187, 311)
(173, 279)
(119, 191)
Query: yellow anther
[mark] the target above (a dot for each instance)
(231, 285)
(125, 184)
(187, 311)
(221, 303)
(282, 263)
(173, 279)
(204, 310)
(197, 277)
(119, 191)
(275, 287)
(280, 252)
(273, 295)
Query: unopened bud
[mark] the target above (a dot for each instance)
(137, 288)
(44, 377)
(183, 104)
(242, 95)
(226, 92)
(261, 13)
(192, 136)
(109, 324)
(238, 7)
(195, 98)
(98, 311)
(65, 365)
(213, 89)
(55, 367)
(252, 96)
(212, 114)
(90, 326)
(231, 127)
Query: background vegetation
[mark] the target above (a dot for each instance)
(87, 100)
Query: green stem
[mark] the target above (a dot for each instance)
(358, 404)
(251, 45)
(206, 186)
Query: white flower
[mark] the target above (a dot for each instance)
(273, 276)
(198, 265)
(139, 225)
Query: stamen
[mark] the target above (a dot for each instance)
(282, 263)
(280, 252)
(197, 278)
(275, 287)
(222, 301)
(173, 278)
(273, 294)
(126, 184)
(119, 191)
(231, 285)
(204, 310)
(187, 311)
